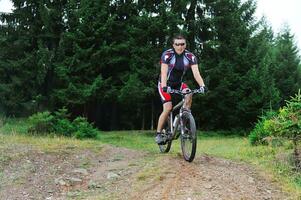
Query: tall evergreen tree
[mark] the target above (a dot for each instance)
(259, 91)
(29, 45)
(287, 61)
(18, 82)
(225, 59)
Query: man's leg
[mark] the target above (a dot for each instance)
(188, 97)
(163, 117)
(188, 101)
(167, 106)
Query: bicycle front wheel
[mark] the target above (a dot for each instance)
(189, 138)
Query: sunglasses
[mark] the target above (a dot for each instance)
(179, 44)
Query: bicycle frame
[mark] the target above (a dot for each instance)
(175, 124)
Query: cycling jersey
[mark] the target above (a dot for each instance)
(177, 65)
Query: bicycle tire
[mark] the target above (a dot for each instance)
(189, 139)
(164, 148)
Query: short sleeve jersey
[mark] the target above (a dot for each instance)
(177, 65)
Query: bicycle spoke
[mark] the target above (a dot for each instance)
(188, 139)
(164, 148)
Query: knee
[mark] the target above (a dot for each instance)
(189, 98)
(167, 109)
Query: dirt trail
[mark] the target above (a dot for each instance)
(212, 178)
(120, 173)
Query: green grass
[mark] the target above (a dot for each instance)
(14, 125)
(140, 140)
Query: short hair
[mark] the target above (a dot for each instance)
(178, 37)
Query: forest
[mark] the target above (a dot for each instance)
(100, 60)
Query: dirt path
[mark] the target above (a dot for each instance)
(119, 173)
(211, 178)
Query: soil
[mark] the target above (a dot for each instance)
(120, 173)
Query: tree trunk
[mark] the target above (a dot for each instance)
(113, 123)
(152, 117)
(143, 119)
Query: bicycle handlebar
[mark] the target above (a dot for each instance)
(182, 92)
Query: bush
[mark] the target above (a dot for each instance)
(286, 124)
(59, 124)
(83, 129)
(63, 127)
(262, 129)
(41, 122)
(62, 124)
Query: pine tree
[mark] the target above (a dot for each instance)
(29, 48)
(287, 61)
(229, 28)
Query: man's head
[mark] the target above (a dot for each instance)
(179, 44)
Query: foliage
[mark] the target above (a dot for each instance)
(287, 61)
(60, 124)
(100, 59)
(261, 129)
(286, 124)
(288, 121)
(42, 123)
(83, 129)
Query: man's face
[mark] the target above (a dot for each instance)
(179, 45)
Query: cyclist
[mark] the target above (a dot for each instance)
(174, 64)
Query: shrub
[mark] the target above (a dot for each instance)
(286, 124)
(62, 125)
(41, 122)
(59, 124)
(83, 129)
(262, 129)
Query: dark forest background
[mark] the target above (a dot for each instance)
(100, 60)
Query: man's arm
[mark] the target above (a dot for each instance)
(197, 75)
(164, 70)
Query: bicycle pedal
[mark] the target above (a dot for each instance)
(186, 136)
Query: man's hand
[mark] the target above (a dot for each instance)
(203, 89)
(166, 89)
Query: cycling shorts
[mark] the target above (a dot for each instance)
(166, 97)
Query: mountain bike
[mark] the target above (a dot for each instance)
(183, 126)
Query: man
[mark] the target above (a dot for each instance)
(174, 64)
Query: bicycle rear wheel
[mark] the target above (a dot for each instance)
(189, 138)
(166, 131)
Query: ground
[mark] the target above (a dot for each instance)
(109, 172)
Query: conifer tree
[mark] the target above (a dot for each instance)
(287, 62)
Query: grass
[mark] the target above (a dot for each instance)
(139, 140)
(14, 125)
(51, 144)
(231, 147)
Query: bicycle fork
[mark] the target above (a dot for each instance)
(174, 125)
